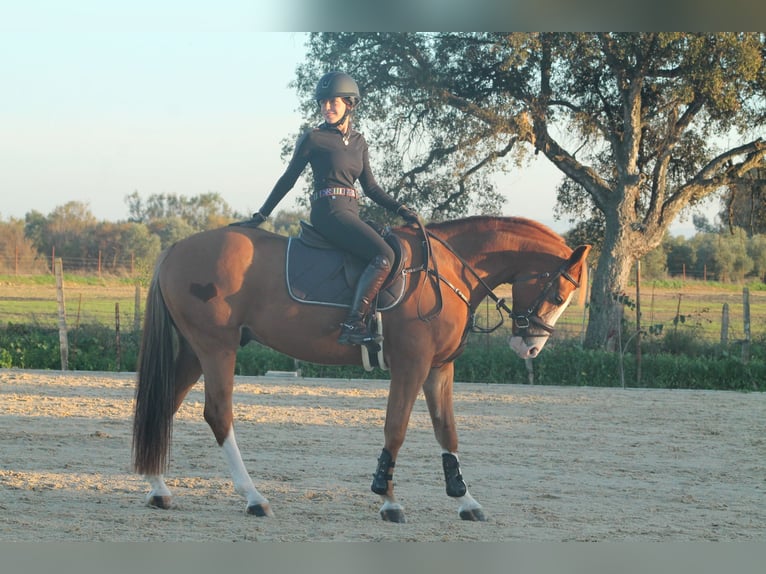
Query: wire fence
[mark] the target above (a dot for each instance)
(14, 263)
(709, 313)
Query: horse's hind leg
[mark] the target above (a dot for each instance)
(219, 386)
(187, 372)
(438, 392)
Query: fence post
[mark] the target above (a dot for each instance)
(63, 339)
(746, 314)
(585, 287)
(725, 325)
(137, 309)
(530, 371)
(638, 323)
(117, 334)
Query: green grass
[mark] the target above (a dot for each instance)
(91, 300)
(699, 311)
(87, 300)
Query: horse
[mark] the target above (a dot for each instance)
(215, 290)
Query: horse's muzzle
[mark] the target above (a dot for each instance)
(527, 347)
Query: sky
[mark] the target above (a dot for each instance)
(101, 99)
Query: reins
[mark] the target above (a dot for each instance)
(429, 272)
(521, 320)
(499, 301)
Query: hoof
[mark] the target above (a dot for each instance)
(473, 514)
(393, 515)
(262, 509)
(158, 501)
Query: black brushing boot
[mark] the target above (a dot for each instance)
(354, 330)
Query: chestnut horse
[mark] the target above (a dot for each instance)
(215, 290)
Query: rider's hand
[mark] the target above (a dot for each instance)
(407, 214)
(257, 218)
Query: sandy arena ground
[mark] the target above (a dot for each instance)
(547, 463)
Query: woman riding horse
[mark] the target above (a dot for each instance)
(339, 157)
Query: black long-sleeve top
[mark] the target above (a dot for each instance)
(334, 163)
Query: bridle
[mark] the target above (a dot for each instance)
(522, 321)
(531, 316)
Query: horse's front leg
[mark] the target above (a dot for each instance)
(438, 393)
(401, 397)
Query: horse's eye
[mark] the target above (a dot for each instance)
(559, 299)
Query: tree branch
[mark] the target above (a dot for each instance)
(720, 171)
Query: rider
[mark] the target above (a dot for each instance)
(339, 157)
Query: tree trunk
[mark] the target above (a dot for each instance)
(610, 281)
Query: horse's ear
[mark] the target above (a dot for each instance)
(577, 259)
(579, 254)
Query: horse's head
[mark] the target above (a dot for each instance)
(540, 299)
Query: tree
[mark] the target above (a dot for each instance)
(200, 212)
(122, 243)
(17, 252)
(654, 265)
(170, 229)
(68, 229)
(745, 204)
(635, 121)
(756, 250)
(288, 222)
(681, 255)
(722, 256)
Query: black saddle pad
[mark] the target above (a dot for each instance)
(321, 274)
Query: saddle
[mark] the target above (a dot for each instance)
(318, 273)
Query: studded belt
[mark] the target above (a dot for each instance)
(335, 191)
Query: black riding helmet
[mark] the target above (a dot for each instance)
(337, 85)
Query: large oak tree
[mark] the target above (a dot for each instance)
(642, 125)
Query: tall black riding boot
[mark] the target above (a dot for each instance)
(354, 330)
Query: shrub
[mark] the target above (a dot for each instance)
(94, 348)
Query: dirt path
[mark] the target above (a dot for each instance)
(547, 463)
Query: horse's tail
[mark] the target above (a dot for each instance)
(154, 398)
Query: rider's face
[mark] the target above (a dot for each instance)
(333, 109)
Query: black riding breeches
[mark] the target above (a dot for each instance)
(337, 218)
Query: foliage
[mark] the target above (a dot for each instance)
(73, 234)
(722, 256)
(562, 363)
(200, 212)
(17, 253)
(630, 119)
(287, 223)
(745, 204)
(91, 348)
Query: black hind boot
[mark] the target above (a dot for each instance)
(354, 330)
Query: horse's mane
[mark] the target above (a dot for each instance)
(478, 221)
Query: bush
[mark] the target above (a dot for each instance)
(91, 348)
(94, 348)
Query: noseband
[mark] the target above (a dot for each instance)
(531, 317)
(522, 321)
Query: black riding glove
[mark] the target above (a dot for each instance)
(256, 219)
(407, 214)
